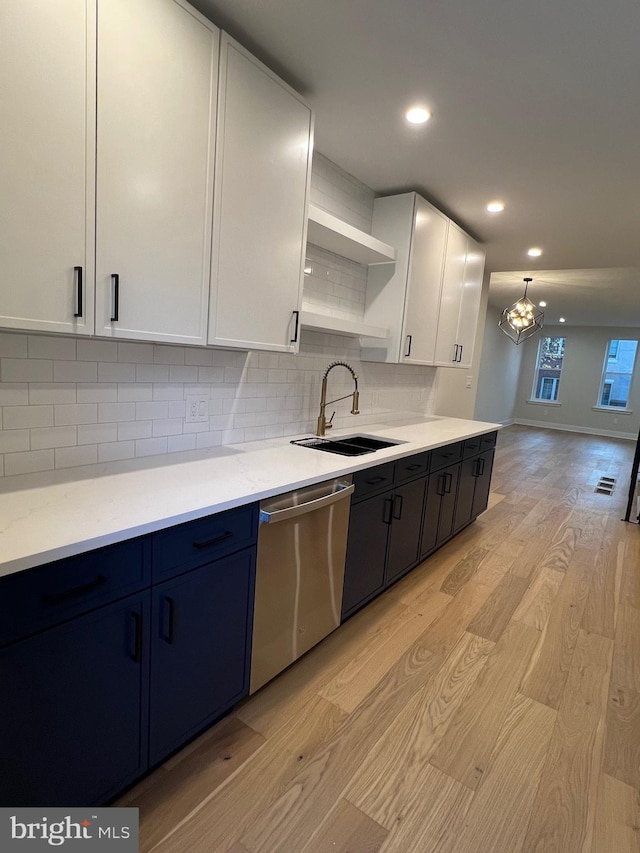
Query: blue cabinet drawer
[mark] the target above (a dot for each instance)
(479, 444)
(447, 455)
(412, 467)
(373, 480)
(187, 546)
(47, 595)
(488, 440)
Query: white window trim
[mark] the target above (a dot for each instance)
(544, 402)
(615, 410)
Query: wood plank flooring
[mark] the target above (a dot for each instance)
(488, 703)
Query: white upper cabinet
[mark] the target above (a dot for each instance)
(156, 108)
(405, 296)
(431, 298)
(264, 145)
(460, 300)
(47, 96)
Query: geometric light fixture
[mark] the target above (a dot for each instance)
(522, 319)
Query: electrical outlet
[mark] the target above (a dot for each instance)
(469, 381)
(197, 409)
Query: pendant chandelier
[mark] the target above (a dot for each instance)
(522, 319)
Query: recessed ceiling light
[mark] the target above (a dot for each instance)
(562, 320)
(534, 252)
(542, 303)
(417, 115)
(495, 207)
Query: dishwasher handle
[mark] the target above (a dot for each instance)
(341, 493)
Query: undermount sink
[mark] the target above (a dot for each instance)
(353, 445)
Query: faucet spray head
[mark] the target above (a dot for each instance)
(356, 401)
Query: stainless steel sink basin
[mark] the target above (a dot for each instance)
(353, 445)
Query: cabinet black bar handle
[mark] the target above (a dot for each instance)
(78, 274)
(168, 635)
(415, 467)
(374, 480)
(115, 278)
(397, 507)
(455, 354)
(81, 589)
(442, 479)
(294, 339)
(479, 468)
(388, 510)
(136, 657)
(409, 341)
(460, 353)
(447, 488)
(207, 543)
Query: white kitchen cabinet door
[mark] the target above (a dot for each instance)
(156, 105)
(446, 353)
(264, 145)
(405, 296)
(470, 303)
(423, 289)
(47, 96)
(460, 300)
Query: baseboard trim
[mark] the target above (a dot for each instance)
(606, 433)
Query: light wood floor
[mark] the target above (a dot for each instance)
(488, 703)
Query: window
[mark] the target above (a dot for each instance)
(546, 381)
(617, 373)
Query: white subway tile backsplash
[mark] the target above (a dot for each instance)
(177, 443)
(210, 374)
(99, 392)
(13, 346)
(46, 437)
(26, 417)
(43, 393)
(116, 372)
(164, 391)
(168, 354)
(68, 457)
(14, 440)
(135, 353)
(182, 373)
(151, 411)
(151, 446)
(208, 439)
(199, 357)
(167, 426)
(41, 346)
(26, 370)
(131, 430)
(116, 412)
(28, 463)
(177, 408)
(14, 394)
(80, 413)
(97, 433)
(97, 350)
(135, 392)
(152, 373)
(116, 450)
(75, 371)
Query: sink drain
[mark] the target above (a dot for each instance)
(605, 486)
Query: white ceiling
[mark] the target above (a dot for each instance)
(535, 103)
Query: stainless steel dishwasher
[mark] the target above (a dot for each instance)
(302, 544)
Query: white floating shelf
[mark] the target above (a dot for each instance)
(334, 235)
(342, 326)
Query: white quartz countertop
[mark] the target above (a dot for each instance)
(45, 517)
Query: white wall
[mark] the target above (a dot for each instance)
(579, 384)
(498, 375)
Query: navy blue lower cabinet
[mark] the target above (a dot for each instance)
(440, 503)
(404, 541)
(473, 488)
(364, 574)
(73, 712)
(200, 647)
